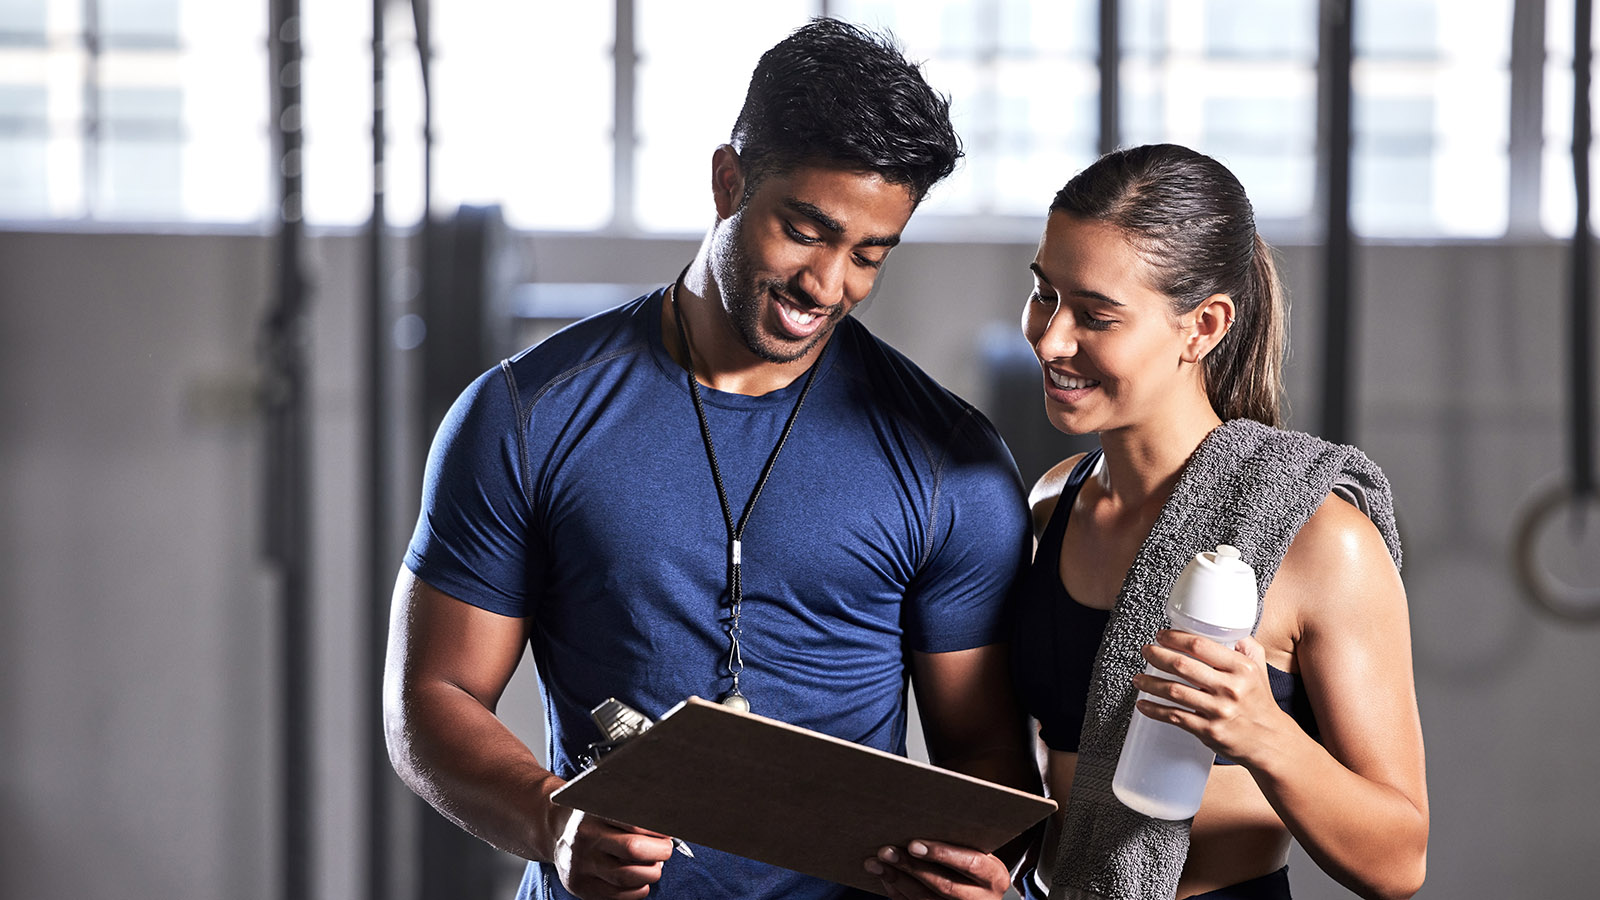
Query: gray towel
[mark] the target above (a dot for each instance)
(1248, 485)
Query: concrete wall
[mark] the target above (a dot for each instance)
(135, 672)
(137, 626)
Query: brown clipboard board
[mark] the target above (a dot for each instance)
(791, 797)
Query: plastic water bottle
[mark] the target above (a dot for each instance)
(1163, 769)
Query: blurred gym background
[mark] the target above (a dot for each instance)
(250, 250)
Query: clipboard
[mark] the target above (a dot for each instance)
(791, 797)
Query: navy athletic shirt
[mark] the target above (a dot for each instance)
(570, 486)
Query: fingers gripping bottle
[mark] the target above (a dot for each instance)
(1163, 769)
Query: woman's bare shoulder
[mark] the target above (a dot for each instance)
(1047, 491)
(1340, 567)
(1339, 534)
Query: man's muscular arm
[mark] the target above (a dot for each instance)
(448, 663)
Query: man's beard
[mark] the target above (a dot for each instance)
(744, 296)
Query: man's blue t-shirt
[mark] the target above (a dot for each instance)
(571, 486)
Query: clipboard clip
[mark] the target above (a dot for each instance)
(620, 723)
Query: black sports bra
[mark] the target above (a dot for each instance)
(1055, 639)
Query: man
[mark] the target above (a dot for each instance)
(727, 489)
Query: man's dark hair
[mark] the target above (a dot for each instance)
(840, 95)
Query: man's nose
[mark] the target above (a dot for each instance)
(824, 276)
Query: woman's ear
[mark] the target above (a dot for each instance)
(727, 180)
(1208, 325)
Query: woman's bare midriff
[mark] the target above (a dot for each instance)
(1235, 837)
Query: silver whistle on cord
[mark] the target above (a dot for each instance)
(618, 722)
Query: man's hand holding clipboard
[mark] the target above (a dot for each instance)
(770, 791)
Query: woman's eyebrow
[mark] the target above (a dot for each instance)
(1087, 294)
(1096, 295)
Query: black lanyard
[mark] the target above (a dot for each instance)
(733, 697)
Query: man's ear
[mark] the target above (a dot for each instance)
(727, 180)
(1208, 324)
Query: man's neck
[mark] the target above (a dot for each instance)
(721, 360)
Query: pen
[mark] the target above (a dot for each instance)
(681, 847)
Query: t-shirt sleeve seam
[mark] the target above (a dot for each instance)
(970, 427)
(524, 417)
(524, 413)
(931, 533)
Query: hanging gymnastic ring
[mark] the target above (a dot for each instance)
(1547, 593)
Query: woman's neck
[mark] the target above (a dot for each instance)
(1142, 462)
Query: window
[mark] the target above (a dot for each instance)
(674, 137)
(1558, 206)
(148, 110)
(602, 116)
(1431, 117)
(1024, 88)
(523, 110)
(336, 126)
(1236, 80)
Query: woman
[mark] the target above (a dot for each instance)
(1157, 315)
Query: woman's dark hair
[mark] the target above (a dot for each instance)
(837, 94)
(1190, 221)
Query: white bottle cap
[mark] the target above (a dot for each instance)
(1217, 588)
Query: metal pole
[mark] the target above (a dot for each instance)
(1338, 310)
(422, 21)
(1526, 116)
(94, 130)
(284, 336)
(1581, 333)
(450, 862)
(1110, 63)
(624, 134)
(428, 231)
(379, 429)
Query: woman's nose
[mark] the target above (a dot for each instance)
(1058, 338)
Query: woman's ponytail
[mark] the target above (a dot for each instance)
(1244, 373)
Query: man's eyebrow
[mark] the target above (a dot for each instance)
(1087, 294)
(829, 223)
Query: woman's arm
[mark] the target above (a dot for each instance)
(1357, 802)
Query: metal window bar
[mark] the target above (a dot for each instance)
(285, 398)
(1338, 308)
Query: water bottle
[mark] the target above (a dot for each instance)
(1163, 769)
